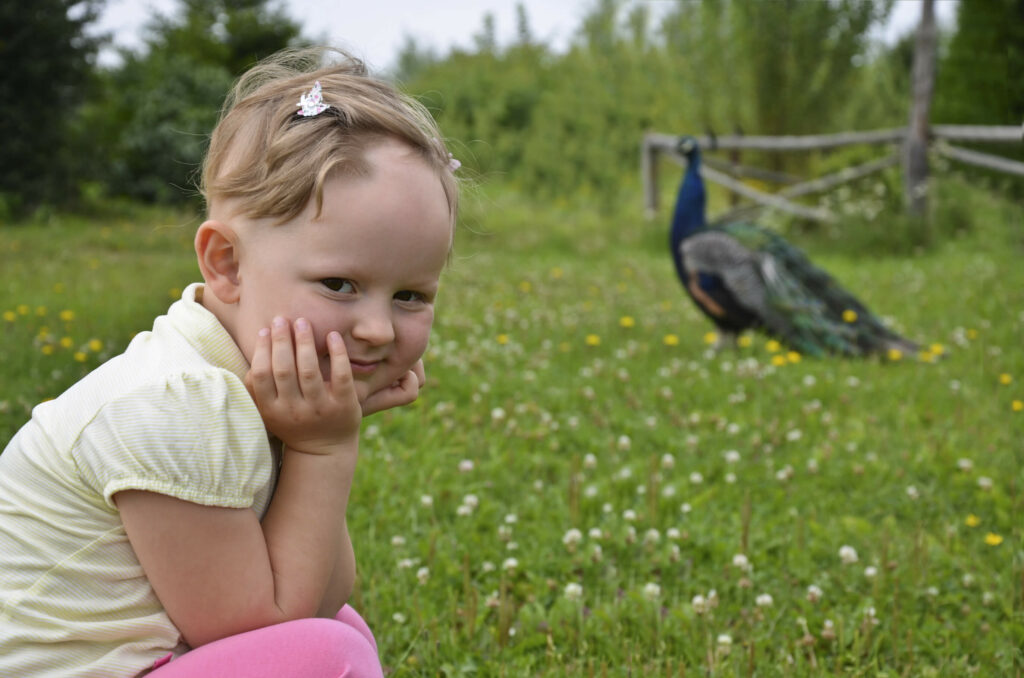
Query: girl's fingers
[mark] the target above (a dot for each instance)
(260, 379)
(341, 371)
(402, 392)
(282, 359)
(311, 381)
(421, 374)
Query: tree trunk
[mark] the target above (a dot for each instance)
(915, 180)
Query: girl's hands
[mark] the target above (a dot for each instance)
(308, 414)
(402, 392)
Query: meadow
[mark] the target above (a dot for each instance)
(584, 489)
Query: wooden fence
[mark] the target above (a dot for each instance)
(726, 173)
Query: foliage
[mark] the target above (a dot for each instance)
(160, 105)
(579, 475)
(47, 59)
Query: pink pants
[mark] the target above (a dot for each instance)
(342, 647)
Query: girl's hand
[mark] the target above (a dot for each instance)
(402, 392)
(308, 414)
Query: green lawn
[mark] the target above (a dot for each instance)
(583, 490)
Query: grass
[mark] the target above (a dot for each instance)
(582, 490)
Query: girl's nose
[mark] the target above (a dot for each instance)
(373, 325)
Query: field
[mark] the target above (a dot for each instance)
(585, 490)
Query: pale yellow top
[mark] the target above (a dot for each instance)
(169, 415)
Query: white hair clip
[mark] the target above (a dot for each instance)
(312, 104)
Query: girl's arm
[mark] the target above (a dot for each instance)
(219, 571)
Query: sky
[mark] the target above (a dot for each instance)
(375, 29)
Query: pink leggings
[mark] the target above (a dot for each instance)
(342, 647)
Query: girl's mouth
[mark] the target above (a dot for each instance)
(363, 367)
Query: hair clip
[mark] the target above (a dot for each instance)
(453, 163)
(312, 104)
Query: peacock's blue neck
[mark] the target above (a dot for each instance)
(688, 217)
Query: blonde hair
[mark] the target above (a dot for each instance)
(272, 161)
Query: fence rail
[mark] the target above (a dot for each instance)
(655, 143)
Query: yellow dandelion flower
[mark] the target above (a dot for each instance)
(23, 309)
(80, 357)
(95, 345)
(627, 321)
(47, 349)
(1017, 405)
(502, 339)
(58, 288)
(593, 340)
(671, 340)
(773, 346)
(174, 293)
(588, 305)
(67, 315)
(665, 305)
(849, 316)
(926, 356)
(557, 273)
(972, 333)
(564, 346)
(1005, 379)
(793, 357)
(67, 342)
(745, 341)
(710, 337)
(937, 349)
(972, 520)
(993, 539)
(525, 286)
(778, 360)
(895, 354)
(10, 316)
(40, 310)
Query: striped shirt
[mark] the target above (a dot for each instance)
(169, 415)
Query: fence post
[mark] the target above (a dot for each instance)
(915, 168)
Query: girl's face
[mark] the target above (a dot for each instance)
(368, 268)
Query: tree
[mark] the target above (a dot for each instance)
(47, 58)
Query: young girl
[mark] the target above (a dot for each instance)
(181, 510)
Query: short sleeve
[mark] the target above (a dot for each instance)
(195, 436)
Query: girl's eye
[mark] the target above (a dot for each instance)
(409, 295)
(338, 284)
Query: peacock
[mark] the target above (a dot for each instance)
(744, 277)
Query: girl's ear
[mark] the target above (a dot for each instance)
(217, 251)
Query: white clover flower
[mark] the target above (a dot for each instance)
(630, 534)
(572, 537)
(652, 536)
(871, 616)
(471, 500)
(668, 491)
(595, 533)
(794, 435)
(504, 532)
(466, 465)
(510, 564)
(673, 533)
(406, 563)
(685, 508)
(700, 604)
(764, 600)
(784, 473)
(623, 442)
(847, 554)
(965, 465)
(668, 461)
(814, 593)
(987, 598)
(812, 465)
(696, 478)
(731, 456)
(607, 508)
(511, 519)
(512, 546)
(493, 600)
(985, 483)
(932, 591)
(967, 580)
(398, 540)
(730, 478)
(464, 510)
(372, 431)
(641, 490)
(652, 591)
(724, 641)
(852, 382)
(398, 618)
(870, 571)
(589, 460)
(809, 380)
(912, 492)
(498, 414)
(426, 501)
(573, 591)
(590, 491)
(629, 515)
(423, 574)
(596, 553)
(741, 562)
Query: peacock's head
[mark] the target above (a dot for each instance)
(686, 146)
